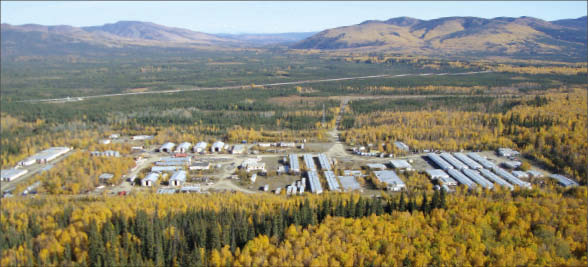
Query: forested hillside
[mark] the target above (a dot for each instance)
(539, 227)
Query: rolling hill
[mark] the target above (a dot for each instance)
(503, 36)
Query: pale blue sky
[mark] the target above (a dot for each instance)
(270, 17)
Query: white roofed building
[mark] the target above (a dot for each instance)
(11, 174)
(150, 179)
(178, 178)
(401, 164)
(217, 146)
(184, 147)
(392, 181)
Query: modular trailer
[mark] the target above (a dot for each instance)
(475, 176)
(462, 179)
(493, 177)
(441, 163)
(484, 162)
(468, 161)
(332, 181)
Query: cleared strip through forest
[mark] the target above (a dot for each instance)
(245, 86)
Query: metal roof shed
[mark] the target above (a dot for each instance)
(400, 164)
(150, 179)
(184, 147)
(474, 175)
(462, 179)
(468, 161)
(390, 178)
(453, 161)
(441, 163)
(178, 178)
(294, 164)
(565, 181)
(493, 177)
(484, 162)
(309, 162)
(332, 181)
(349, 183)
(167, 147)
(315, 184)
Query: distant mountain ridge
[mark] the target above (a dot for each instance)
(457, 35)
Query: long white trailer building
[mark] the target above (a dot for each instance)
(315, 183)
(468, 161)
(453, 161)
(294, 164)
(45, 155)
(441, 163)
(484, 162)
(332, 181)
(11, 174)
(324, 162)
(309, 162)
(461, 178)
(509, 177)
(493, 177)
(475, 176)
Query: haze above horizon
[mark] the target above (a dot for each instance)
(271, 17)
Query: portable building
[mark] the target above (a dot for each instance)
(190, 189)
(535, 174)
(278, 190)
(166, 191)
(253, 177)
(401, 146)
(50, 154)
(253, 164)
(178, 178)
(238, 149)
(200, 165)
(507, 152)
(28, 161)
(441, 163)
(165, 168)
(150, 179)
(356, 173)
(105, 178)
(184, 147)
(142, 137)
(511, 164)
(392, 181)
(11, 174)
(436, 173)
(520, 174)
(104, 141)
(376, 166)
